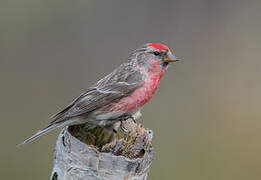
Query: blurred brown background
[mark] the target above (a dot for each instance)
(206, 116)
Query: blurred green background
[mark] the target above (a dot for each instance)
(206, 116)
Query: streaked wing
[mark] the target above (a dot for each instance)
(120, 83)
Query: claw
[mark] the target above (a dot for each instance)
(123, 128)
(133, 119)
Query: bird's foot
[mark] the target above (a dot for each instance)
(124, 118)
(133, 119)
(123, 127)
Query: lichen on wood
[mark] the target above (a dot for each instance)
(103, 154)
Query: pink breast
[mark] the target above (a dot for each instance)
(139, 97)
(143, 94)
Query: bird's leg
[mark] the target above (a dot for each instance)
(114, 127)
(129, 116)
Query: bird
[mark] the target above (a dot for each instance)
(118, 96)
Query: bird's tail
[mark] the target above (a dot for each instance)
(50, 127)
(40, 133)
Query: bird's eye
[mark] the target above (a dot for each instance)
(156, 53)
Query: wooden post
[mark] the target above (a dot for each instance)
(101, 154)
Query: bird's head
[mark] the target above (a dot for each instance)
(154, 57)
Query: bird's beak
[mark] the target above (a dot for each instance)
(171, 58)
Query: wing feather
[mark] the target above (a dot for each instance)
(120, 83)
